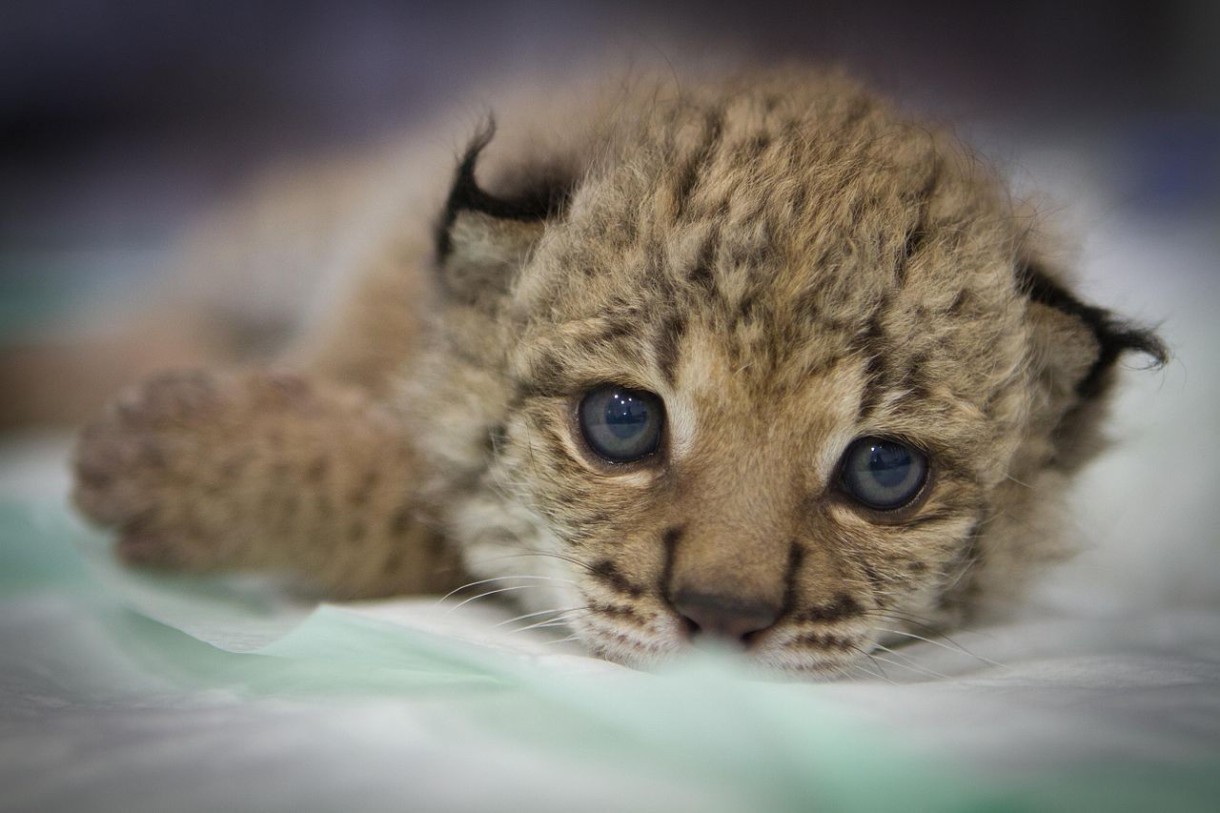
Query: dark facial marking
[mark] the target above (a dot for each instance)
(670, 543)
(796, 554)
(959, 303)
(911, 246)
(701, 274)
(688, 175)
(747, 310)
(821, 640)
(622, 612)
(668, 340)
(608, 574)
(871, 343)
(843, 607)
(918, 233)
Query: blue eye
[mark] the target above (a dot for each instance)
(883, 474)
(621, 425)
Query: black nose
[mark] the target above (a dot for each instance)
(729, 618)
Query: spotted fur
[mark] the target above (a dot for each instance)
(789, 265)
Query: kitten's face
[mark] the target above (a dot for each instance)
(774, 426)
(778, 377)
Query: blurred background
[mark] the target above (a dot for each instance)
(120, 120)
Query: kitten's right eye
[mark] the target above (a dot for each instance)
(621, 425)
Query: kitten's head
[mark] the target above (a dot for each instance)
(762, 364)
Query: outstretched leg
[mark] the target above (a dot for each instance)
(207, 471)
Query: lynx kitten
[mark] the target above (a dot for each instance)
(755, 360)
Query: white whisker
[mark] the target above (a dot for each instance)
(497, 591)
(857, 666)
(905, 662)
(910, 667)
(951, 646)
(551, 622)
(545, 554)
(469, 585)
(524, 616)
(567, 640)
(1018, 482)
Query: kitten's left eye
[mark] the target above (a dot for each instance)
(883, 474)
(621, 425)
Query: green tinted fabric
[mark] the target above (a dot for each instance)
(735, 742)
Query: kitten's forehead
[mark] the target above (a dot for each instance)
(788, 281)
(812, 208)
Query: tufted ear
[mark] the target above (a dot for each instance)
(483, 239)
(1079, 342)
(1075, 349)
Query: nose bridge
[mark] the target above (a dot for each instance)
(738, 517)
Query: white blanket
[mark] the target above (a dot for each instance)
(127, 694)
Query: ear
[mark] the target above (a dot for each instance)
(1079, 343)
(1075, 347)
(482, 240)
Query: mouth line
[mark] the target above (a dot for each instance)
(643, 636)
(835, 653)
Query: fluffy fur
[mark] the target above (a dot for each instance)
(784, 260)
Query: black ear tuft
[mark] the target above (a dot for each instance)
(1113, 336)
(543, 197)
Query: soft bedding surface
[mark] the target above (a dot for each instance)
(124, 692)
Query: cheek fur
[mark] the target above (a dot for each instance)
(898, 565)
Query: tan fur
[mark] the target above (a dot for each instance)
(784, 260)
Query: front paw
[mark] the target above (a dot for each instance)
(139, 469)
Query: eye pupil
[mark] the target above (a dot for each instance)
(620, 424)
(889, 464)
(883, 474)
(625, 415)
